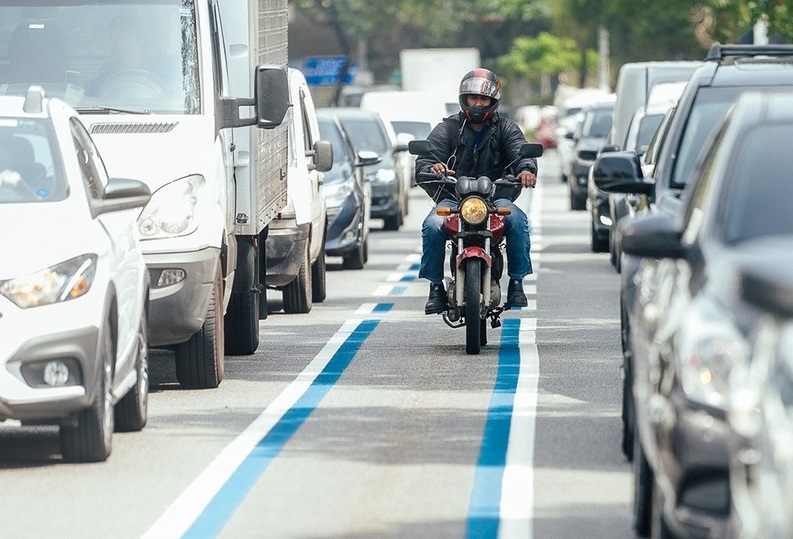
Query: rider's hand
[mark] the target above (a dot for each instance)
(440, 168)
(527, 178)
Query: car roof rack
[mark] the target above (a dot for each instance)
(718, 51)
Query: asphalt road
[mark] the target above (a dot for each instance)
(366, 419)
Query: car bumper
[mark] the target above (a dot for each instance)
(284, 248)
(27, 346)
(695, 457)
(385, 200)
(345, 228)
(177, 311)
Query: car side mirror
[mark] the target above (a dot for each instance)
(323, 155)
(366, 158)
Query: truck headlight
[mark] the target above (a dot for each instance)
(62, 282)
(709, 348)
(172, 209)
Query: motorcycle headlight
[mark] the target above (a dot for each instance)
(62, 282)
(473, 210)
(172, 209)
(709, 348)
(336, 193)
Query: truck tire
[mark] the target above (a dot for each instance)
(298, 294)
(319, 289)
(392, 222)
(242, 323)
(200, 361)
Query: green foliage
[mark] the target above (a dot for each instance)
(544, 55)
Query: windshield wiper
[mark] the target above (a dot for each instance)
(96, 109)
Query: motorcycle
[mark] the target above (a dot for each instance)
(475, 228)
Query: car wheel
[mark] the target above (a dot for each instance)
(392, 222)
(200, 362)
(597, 245)
(297, 294)
(628, 414)
(91, 438)
(354, 260)
(366, 249)
(643, 484)
(577, 203)
(132, 410)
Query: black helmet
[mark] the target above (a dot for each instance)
(480, 82)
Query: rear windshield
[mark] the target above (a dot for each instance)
(366, 135)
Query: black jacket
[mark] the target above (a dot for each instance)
(498, 147)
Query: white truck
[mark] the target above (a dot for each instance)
(438, 70)
(154, 81)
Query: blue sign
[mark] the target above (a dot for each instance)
(324, 70)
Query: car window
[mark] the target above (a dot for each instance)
(597, 122)
(761, 188)
(709, 108)
(342, 159)
(656, 143)
(647, 128)
(27, 163)
(91, 166)
(366, 135)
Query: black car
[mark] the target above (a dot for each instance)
(369, 132)
(761, 411)
(588, 137)
(348, 196)
(728, 72)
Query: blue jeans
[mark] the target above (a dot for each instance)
(433, 242)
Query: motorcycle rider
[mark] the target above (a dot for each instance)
(475, 142)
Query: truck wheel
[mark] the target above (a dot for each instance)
(132, 410)
(90, 440)
(297, 294)
(318, 279)
(242, 323)
(200, 361)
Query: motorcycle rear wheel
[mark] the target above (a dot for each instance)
(473, 294)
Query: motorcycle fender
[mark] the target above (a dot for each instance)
(471, 252)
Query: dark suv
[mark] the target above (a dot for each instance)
(692, 491)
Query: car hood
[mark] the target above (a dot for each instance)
(36, 236)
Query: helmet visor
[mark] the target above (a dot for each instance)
(481, 86)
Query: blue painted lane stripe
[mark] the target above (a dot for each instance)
(382, 307)
(231, 495)
(483, 511)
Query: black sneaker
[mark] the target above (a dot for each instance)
(436, 303)
(515, 295)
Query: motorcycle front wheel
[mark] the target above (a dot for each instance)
(473, 295)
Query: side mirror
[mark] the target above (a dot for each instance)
(531, 149)
(124, 194)
(366, 158)
(323, 155)
(620, 172)
(652, 236)
(270, 101)
(419, 147)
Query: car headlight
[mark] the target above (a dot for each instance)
(336, 193)
(62, 282)
(385, 175)
(172, 209)
(709, 348)
(473, 210)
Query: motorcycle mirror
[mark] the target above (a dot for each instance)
(531, 149)
(419, 147)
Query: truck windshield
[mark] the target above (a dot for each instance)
(119, 54)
